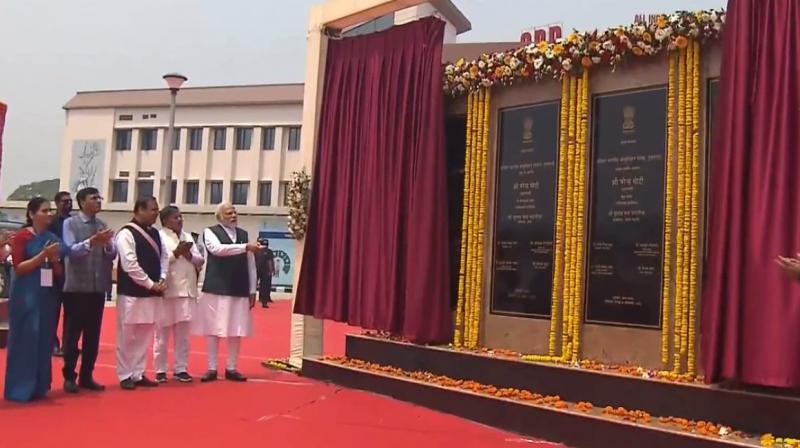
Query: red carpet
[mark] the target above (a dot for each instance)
(273, 408)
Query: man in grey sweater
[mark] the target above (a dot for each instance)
(88, 277)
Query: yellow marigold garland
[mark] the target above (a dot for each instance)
(678, 319)
(570, 223)
(580, 219)
(481, 216)
(668, 221)
(687, 202)
(695, 212)
(470, 283)
(473, 215)
(558, 266)
(462, 269)
(569, 255)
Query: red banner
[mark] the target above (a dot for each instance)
(3, 109)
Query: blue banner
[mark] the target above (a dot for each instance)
(282, 245)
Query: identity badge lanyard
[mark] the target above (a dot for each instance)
(46, 275)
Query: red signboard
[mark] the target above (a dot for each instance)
(550, 33)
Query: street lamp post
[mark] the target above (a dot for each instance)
(174, 82)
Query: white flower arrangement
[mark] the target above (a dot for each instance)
(297, 201)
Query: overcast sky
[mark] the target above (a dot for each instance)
(49, 49)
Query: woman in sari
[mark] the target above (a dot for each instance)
(36, 257)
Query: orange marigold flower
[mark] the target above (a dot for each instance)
(681, 42)
(586, 61)
(637, 51)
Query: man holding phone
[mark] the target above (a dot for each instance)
(180, 298)
(88, 277)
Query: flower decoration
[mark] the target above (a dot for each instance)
(581, 51)
(297, 201)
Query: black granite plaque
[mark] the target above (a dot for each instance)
(627, 214)
(527, 180)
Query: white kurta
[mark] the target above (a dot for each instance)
(225, 316)
(136, 316)
(180, 297)
(137, 310)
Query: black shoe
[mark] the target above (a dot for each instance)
(127, 384)
(209, 376)
(233, 375)
(70, 386)
(92, 385)
(161, 377)
(264, 305)
(183, 377)
(57, 352)
(146, 382)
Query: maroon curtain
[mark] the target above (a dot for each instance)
(751, 313)
(376, 251)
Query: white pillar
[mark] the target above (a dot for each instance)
(306, 333)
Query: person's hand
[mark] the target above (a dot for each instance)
(101, 238)
(254, 247)
(790, 266)
(159, 287)
(5, 237)
(252, 301)
(183, 250)
(51, 251)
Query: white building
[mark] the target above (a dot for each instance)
(238, 144)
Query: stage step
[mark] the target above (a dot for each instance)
(756, 413)
(570, 427)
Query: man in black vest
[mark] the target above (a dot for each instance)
(141, 274)
(229, 291)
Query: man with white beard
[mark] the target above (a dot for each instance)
(141, 274)
(229, 291)
(180, 298)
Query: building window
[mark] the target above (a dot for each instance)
(294, 138)
(268, 138)
(123, 139)
(119, 191)
(215, 192)
(191, 192)
(283, 192)
(147, 139)
(219, 135)
(244, 137)
(176, 143)
(195, 139)
(239, 192)
(144, 189)
(173, 191)
(265, 193)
